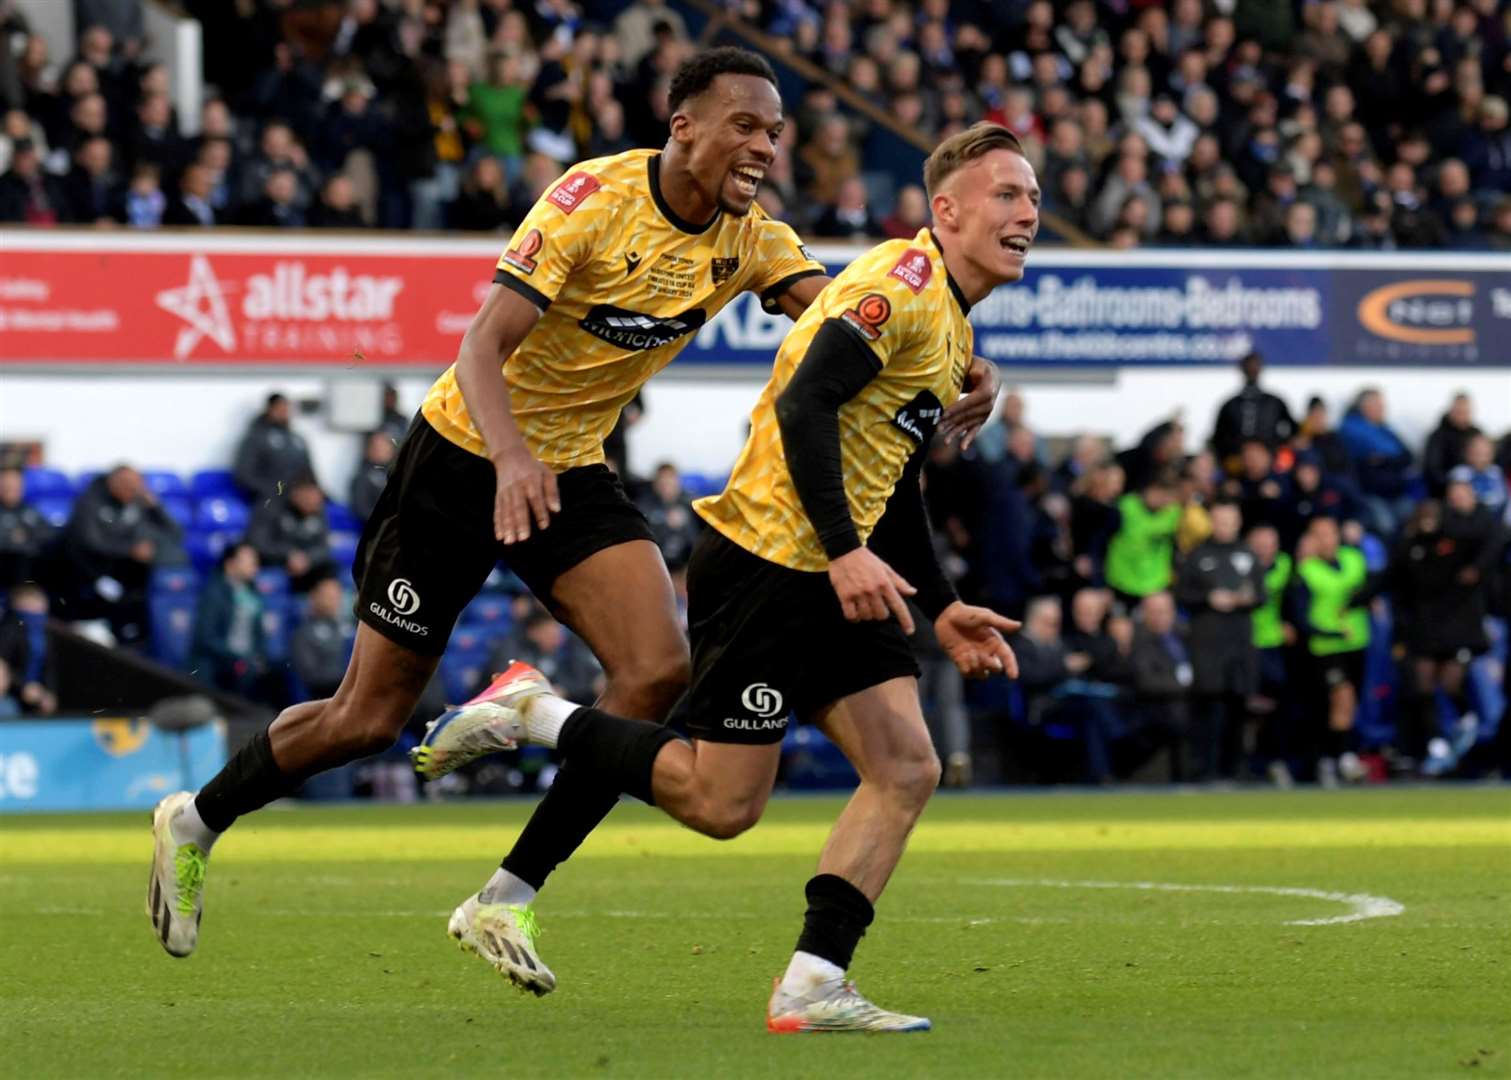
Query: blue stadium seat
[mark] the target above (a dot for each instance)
(169, 580)
(164, 484)
(211, 482)
(205, 545)
(223, 512)
(696, 485)
(180, 509)
(172, 621)
(810, 760)
(341, 519)
(272, 581)
(40, 483)
(344, 549)
(462, 668)
(503, 580)
(85, 478)
(280, 615)
(55, 508)
(490, 611)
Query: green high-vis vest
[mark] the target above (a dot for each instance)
(1142, 552)
(1331, 586)
(1267, 623)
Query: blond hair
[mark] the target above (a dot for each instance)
(964, 147)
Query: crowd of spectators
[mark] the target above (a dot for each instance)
(1324, 124)
(1294, 599)
(1225, 612)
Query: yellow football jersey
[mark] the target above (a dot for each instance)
(901, 302)
(624, 283)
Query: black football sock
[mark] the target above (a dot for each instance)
(837, 917)
(620, 752)
(250, 780)
(573, 805)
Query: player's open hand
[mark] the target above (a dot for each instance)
(869, 589)
(963, 419)
(525, 493)
(972, 638)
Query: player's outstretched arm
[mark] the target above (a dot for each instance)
(526, 489)
(972, 637)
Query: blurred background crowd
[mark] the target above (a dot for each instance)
(1318, 124)
(1307, 596)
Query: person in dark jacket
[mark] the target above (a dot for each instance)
(292, 532)
(1434, 577)
(1160, 657)
(1316, 435)
(547, 646)
(229, 649)
(24, 533)
(23, 649)
(1256, 485)
(116, 534)
(28, 193)
(1308, 493)
(322, 645)
(1382, 462)
(191, 206)
(372, 474)
(1221, 583)
(1252, 413)
(271, 454)
(1447, 444)
(670, 514)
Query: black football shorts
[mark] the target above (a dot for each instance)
(429, 544)
(770, 643)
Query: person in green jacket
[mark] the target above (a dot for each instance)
(1324, 606)
(1141, 553)
(495, 117)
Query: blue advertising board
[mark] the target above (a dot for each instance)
(1102, 309)
(101, 763)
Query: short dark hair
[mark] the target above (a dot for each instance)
(697, 73)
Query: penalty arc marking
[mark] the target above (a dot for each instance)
(1362, 905)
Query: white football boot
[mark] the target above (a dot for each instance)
(838, 1007)
(488, 724)
(175, 890)
(504, 935)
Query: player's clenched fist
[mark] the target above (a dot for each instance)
(972, 638)
(870, 589)
(526, 492)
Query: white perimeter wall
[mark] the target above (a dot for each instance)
(188, 423)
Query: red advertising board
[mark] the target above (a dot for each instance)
(180, 300)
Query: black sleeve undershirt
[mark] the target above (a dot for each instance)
(835, 369)
(904, 541)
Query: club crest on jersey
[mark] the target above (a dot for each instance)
(522, 257)
(573, 191)
(634, 330)
(914, 269)
(919, 417)
(866, 318)
(724, 269)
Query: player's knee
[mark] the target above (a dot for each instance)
(727, 820)
(652, 685)
(358, 734)
(911, 778)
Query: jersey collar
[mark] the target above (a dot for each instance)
(653, 168)
(955, 290)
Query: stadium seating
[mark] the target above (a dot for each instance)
(54, 508)
(171, 615)
(165, 484)
(222, 512)
(462, 668)
(207, 483)
(341, 519)
(41, 483)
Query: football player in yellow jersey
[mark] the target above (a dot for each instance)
(605, 280)
(796, 593)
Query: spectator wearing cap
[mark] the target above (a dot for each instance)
(1381, 460)
(1252, 413)
(271, 454)
(291, 532)
(1447, 443)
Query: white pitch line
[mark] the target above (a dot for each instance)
(1364, 905)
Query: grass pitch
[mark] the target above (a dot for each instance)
(323, 950)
